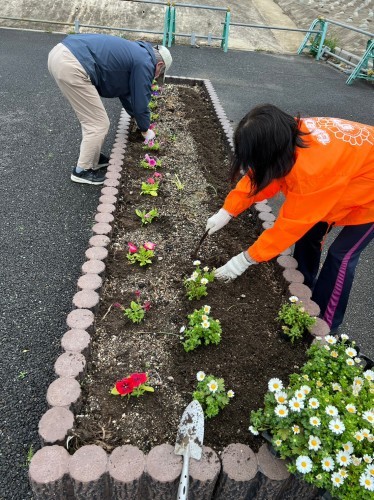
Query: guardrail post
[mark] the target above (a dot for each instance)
(363, 64)
(76, 26)
(226, 32)
(316, 45)
(166, 25)
(171, 37)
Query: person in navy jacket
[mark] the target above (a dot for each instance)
(87, 67)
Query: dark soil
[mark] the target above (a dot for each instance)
(251, 351)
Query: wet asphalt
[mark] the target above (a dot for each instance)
(45, 219)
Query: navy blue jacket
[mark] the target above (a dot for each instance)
(118, 68)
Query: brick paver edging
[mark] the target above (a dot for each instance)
(127, 473)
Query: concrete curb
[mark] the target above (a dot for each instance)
(127, 473)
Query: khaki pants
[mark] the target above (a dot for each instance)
(76, 86)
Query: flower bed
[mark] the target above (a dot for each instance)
(191, 187)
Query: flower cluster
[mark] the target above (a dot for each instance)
(136, 311)
(133, 385)
(143, 255)
(295, 319)
(196, 284)
(150, 162)
(202, 329)
(211, 394)
(324, 420)
(151, 185)
(147, 217)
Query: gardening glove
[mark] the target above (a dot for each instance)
(149, 135)
(234, 267)
(217, 221)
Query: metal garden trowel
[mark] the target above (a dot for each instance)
(189, 442)
(195, 252)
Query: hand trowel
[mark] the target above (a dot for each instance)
(189, 442)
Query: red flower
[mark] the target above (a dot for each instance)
(125, 386)
(117, 304)
(151, 180)
(132, 248)
(138, 379)
(149, 245)
(147, 305)
(157, 175)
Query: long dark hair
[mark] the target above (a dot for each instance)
(265, 141)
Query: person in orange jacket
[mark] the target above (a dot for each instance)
(325, 169)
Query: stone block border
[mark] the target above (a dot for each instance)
(127, 473)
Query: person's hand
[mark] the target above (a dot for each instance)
(149, 135)
(234, 267)
(217, 221)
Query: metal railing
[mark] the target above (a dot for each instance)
(318, 48)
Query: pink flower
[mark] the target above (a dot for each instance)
(147, 305)
(152, 126)
(151, 180)
(147, 216)
(137, 293)
(151, 143)
(152, 162)
(149, 245)
(157, 175)
(132, 248)
(147, 157)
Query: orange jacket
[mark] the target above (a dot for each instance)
(332, 180)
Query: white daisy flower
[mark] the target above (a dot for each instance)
(357, 360)
(296, 429)
(205, 324)
(194, 276)
(371, 438)
(336, 479)
(349, 361)
(278, 442)
(299, 394)
(370, 470)
(304, 464)
(351, 408)
(319, 477)
(331, 410)
(196, 263)
(281, 411)
(356, 460)
(348, 447)
(367, 459)
(358, 436)
(369, 375)
(365, 433)
(334, 354)
(336, 426)
(206, 269)
(336, 386)
(314, 443)
(230, 394)
(330, 339)
(200, 376)
(367, 482)
(305, 376)
(204, 281)
(305, 389)
(315, 421)
(275, 385)
(281, 397)
(328, 464)
(352, 353)
(212, 386)
(319, 383)
(313, 403)
(296, 405)
(343, 458)
(344, 336)
(369, 416)
(206, 309)
(343, 473)
(327, 347)
(253, 430)
(293, 299)
(204, 317)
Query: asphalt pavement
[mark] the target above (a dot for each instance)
(46, 219)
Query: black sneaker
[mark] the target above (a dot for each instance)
(90, 176)
(103, 162)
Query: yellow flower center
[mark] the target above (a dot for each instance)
(303, 464)
(281, 399)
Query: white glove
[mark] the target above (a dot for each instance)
(234, 267)
(217, 221)
(149, 135)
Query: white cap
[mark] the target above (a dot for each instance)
(166, 56)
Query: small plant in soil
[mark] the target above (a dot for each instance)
(295, 319)
(150, 162)
(203, 329)
(133, 385)
(152, 145)
(147, 217)
(323, 420)
(211, 394)
(153, 104)
(142, 255)
(178, 183)
(136, 311)
(151, 185)
(154, 116)
(196, 284)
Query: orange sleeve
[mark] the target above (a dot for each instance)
(299, 213)
(239, 200)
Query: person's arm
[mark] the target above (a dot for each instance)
(126, 103)
(140, 88)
